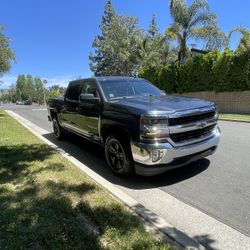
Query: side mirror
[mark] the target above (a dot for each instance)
(88, 98)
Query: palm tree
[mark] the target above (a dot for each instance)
(244, 44)
(193, 22)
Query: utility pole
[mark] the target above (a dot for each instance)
(44, 96)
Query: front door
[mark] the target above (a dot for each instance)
(88, 116)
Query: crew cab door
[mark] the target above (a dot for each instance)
(89, 111)
(71, 106)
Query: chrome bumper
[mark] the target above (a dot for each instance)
(158, 154)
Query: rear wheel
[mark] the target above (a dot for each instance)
(118, 156)
(58, 131)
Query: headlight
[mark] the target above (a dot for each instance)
(216, 112)
(154, 128)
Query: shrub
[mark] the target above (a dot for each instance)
(215, 71)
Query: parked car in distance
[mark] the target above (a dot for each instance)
(19, 102)
(142, 130)
(27, 102)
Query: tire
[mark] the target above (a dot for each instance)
(118, 156)
(58, 130)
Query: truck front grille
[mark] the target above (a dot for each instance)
(192, 135)
(192, 126)
(191, 119)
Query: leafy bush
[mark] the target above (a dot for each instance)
(215, 71)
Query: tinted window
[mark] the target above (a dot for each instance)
(89, 87)
(74, 90)
(115, 88)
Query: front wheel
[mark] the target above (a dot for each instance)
(118, 156)
(58, 131)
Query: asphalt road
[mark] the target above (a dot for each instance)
(218, 186)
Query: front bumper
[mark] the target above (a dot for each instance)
(153, 159)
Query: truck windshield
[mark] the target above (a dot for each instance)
(128, 88)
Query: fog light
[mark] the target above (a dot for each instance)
(157, 155)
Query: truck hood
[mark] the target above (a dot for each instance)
(158, 105)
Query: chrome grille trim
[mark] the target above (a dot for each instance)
(197, 126)
(191, 112)
(191, 126)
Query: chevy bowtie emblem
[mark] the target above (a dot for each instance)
(201, 124)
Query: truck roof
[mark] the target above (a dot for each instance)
(104, 78)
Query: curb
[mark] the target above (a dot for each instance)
(154, 222)
(233, 120)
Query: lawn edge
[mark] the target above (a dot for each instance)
(155, 224)
(233, 120)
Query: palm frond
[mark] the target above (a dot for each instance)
(174, 32)
(197, 6)
(242, 30)
(178, 10)
(214, 38)
(203, 19)
(244, 43)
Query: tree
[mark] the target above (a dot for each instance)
(244, 44)
(55, 87)
(21, 86)
(155, 48)
(97, 60)
(6, 53)
(121, 44)
(39, 90)
(194, 22)
(30, 88)
(153, 28)
(12, 93)
(117, 48)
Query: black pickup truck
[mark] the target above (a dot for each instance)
(142, 129)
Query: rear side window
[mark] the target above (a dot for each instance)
(74, 90)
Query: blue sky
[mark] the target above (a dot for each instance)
(52, 39)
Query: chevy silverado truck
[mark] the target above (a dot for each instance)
(142, 130)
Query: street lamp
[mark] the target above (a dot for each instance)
(44, 97)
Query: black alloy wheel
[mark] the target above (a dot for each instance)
(57, 129)
(118, 156)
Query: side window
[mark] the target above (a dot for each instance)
(74, 91)
(89, 87)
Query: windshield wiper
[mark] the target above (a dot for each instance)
(121, 97)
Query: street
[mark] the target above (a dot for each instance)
(218, 186)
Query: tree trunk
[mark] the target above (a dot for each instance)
(183, 49)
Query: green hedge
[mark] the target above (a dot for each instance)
(215, 71)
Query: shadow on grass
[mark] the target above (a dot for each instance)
(51, 214)
(14, 160)
(50, 222)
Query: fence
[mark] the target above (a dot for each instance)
(237, 102)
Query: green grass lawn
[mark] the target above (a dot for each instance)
(47, 203)
(235, 117)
